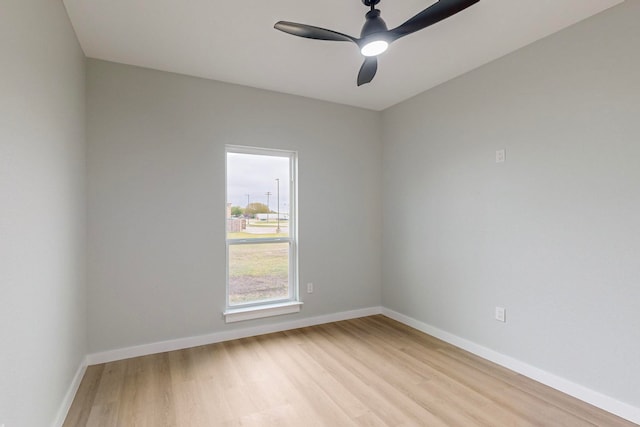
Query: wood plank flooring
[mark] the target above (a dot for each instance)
(371, 371)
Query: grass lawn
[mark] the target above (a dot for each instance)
(258, 272)
(245, 235)
(272, 224)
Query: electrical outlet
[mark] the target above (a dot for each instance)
(309, 288)
(501, 314)
(501, 156)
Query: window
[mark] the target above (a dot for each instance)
(261, 233)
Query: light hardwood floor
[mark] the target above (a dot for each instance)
(371, 371)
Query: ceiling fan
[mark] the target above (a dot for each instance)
(375, 37)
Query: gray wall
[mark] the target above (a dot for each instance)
(553, 234)
(42, 210)
(156, 200)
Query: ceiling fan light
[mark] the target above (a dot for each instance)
(374, 48)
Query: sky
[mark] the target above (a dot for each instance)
(255, 175)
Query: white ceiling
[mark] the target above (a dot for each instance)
(234, 41)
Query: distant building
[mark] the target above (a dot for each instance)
(272, 216)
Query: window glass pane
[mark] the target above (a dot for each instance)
(258, 196)
(258, 272)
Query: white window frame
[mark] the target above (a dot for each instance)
(292, 303)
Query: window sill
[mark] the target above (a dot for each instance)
(257, 312)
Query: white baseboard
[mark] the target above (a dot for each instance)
(578, 391)
(182, 343)
(70, 395)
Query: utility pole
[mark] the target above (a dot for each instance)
(278, 228)
(246, 211)
(268, 193)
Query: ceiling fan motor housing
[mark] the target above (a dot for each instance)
(373, 24)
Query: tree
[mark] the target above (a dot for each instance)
(255, 208)
(236, 211)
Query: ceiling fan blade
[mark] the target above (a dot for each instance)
(311, 32)
(431, 15)
(368, 70)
